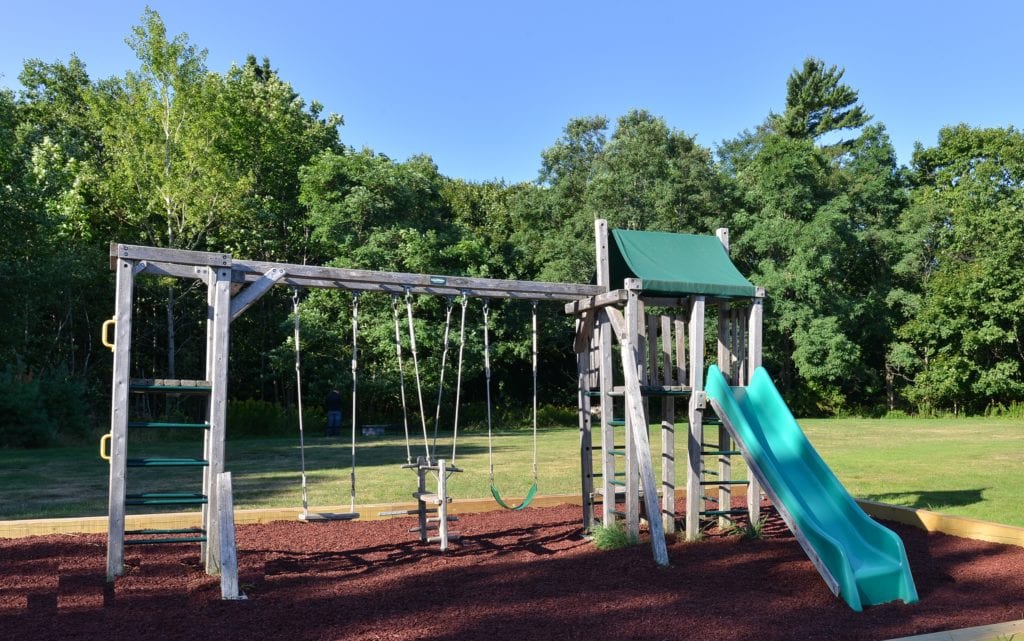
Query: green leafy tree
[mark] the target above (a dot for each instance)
(962, 346)
(164, 179)
(815, 227)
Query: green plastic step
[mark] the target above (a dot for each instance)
(724, 482)
(659, 390)
(711, 420)
(198, 535)
(171, 539)
(720, 452)
(169, 425)
(736, 512)
(166, 498)
(617, 422)
(177, 386)
(166, 462)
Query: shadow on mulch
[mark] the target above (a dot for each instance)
(514, 575)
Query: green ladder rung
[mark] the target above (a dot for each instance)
(166, 498)
(617, 452)
(709, 498)
(191, 530)
(654, 390)
(711, 420)
(617, 482)
(617, 422)
(166, 462)
(592, 393)
(180, 386)
(171, 425)
(720, 453)
(724, 482)
(735, 512)
(175, 539)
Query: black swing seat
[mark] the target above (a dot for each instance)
(317, 517)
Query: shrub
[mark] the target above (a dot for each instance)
(610, 537)
(264, 419)
(23, 418)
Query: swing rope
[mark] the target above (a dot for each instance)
(355, 379)
(416, 368)
(490, 447)
(458, 378)
(401, 378)
(444, 359)
(298, 398)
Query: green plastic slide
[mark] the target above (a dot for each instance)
(861, 561)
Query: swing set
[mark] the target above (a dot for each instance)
(430, 461)
(233, 286)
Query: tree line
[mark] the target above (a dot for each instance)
(890, 288)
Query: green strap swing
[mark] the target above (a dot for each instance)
(490, 449)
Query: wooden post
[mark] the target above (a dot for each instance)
(606, 379)
(583, 364)
(726, 342)
(696, 416)
(421, 490)
(228, 553)
(119, 416)
(754, 342)
(668, 432)
(218, 377)
(635, 422)
(442, 507)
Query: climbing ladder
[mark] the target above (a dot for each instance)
(169, 389)
(211, 391)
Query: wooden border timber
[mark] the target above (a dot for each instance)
(190, 264)
(922, 519)
(994, 632)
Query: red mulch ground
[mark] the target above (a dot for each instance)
(515, 575)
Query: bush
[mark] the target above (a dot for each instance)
(610, 537)
(23, 418)
(247, 418)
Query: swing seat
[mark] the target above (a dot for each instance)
(317, 517)
(522, 506)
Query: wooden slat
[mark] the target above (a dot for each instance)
(584, 330)
(668, 432)
(228, 554)
(247, 297)
(164, 255)
(357, 279)
(615, 297)
(755, 317)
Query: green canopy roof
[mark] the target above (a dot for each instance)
(675, 264)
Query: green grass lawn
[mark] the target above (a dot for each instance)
(970, 467)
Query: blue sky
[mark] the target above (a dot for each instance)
(484, 87)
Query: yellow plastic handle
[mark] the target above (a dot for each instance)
(105, 446)
(110, 322)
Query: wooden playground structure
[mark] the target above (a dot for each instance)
(652, 293)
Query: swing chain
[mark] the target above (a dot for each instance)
(355, 331)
